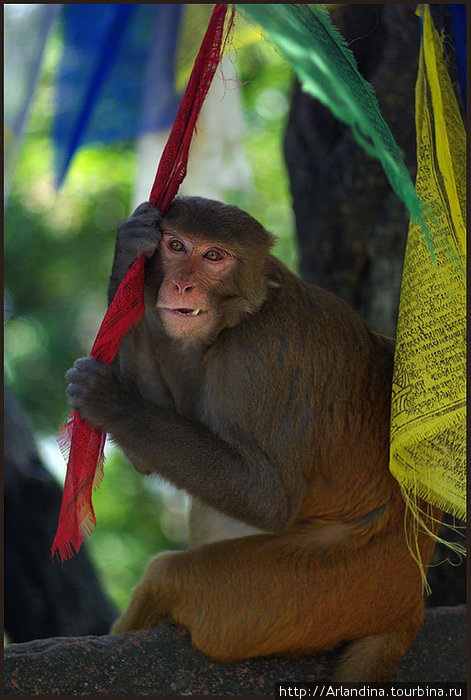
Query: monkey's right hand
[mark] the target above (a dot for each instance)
(141, 233)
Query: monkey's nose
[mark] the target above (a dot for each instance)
(182, 287)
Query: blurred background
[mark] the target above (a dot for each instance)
(71, 180)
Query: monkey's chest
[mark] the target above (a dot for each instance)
(187, 401)
(186, 389)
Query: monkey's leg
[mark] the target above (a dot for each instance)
(374, 658)
(151, 600)
(264, 595)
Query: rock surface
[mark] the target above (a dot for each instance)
(163, 662)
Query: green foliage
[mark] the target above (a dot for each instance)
(136, 518)
(266, 80)
(58, 249)
(58, 253)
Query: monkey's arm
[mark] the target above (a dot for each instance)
(139, 234)
(238, 478)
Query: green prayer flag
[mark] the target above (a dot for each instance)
(327, 70)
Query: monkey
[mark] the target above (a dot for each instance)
(267, 399)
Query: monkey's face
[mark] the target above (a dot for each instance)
(191, 269)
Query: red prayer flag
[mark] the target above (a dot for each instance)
(80, 442)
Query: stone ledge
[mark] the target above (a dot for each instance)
(163, 662)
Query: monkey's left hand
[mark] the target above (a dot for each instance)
(95, 392)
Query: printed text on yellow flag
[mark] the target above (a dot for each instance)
(428, 404)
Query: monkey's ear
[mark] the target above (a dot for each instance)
(239, 304)
(234, 309)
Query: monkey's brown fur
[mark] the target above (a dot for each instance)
(268, 400)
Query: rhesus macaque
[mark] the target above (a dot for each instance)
(268, 400)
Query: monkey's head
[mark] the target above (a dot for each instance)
(209, 269)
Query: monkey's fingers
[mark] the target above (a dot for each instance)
(87, 365)
(145, 215)
(75, 393)
(87, 371)
(93, 390)
(137, 242)
(144, 208)
(139, 234)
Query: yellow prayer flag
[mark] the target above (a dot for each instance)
(428, 430)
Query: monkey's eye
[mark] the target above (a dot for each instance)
(176, 245)
(214, 255)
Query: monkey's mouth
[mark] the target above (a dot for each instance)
(185, 312)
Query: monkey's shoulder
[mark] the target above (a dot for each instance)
(303, 326)
(307, 312)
